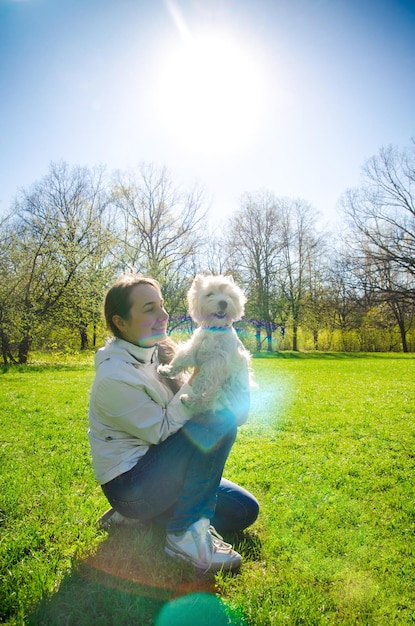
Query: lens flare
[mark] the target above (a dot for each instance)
(203, 609)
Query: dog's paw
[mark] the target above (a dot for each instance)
(190, 402)
(186, 399)
(195, 404)
(165, 370)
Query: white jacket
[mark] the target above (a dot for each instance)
(131, 408)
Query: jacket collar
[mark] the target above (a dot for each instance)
(142, 355)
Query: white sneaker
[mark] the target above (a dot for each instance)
(202, 546)
(113, 518)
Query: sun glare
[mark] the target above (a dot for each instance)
(210, 93)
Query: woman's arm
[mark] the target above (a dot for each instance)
(122, 410)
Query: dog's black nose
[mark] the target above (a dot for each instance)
(223, 304)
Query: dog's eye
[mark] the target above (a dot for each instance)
(209, 295)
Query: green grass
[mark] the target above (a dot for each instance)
(329, 451)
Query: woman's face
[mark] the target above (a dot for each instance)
(147, 322)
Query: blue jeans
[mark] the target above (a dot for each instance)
(180, 480)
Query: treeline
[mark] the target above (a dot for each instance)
(70, 234)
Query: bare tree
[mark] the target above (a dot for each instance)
(381, 217)
(403, 311)
(214, 257)
(316, 309)
(379, 279)
(254, 247)
(301, 246)
(162, 228)
(348, 297)
(381, 212)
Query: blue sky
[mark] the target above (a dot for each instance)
(238, 95)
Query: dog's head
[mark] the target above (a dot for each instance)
(215, 301)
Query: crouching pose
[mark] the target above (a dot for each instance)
(154, 460)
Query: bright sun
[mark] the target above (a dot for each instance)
(210, 94)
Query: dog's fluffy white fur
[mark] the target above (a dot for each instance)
(215, 302)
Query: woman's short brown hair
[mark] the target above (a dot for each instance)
(118, 301)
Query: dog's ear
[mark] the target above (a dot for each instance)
(194, 288)
(198, 280)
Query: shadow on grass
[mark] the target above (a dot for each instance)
(130, 580)
(289, 354)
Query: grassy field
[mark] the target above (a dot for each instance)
(329, 451)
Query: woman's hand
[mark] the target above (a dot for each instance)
(193, 376)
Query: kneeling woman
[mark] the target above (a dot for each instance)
(154, 461)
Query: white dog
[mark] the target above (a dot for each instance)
(215, 302)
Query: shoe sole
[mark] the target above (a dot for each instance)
(105, 520)
(113, 518)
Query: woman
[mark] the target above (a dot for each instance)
(154, 461)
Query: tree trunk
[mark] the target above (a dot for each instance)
(258, 339)
(269, 337)
(295, 330)
(24, 347)
(402, 330)
(5, 348)
(84, 338)
(399, 309)
(315, 338)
